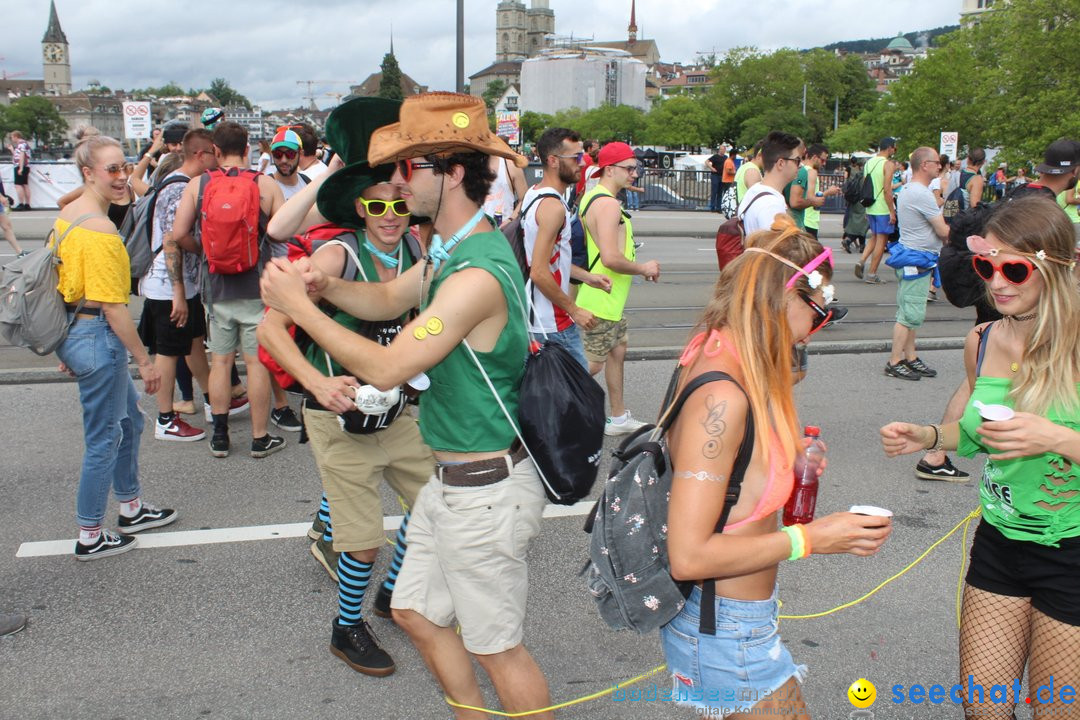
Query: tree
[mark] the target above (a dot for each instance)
(533, 125)
(609, 122)
(678, 120)
(390, 82)
(493, 92)
(226, 95)
(36, 118)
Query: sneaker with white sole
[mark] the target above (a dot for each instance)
(236, 406)
(945, 471)
(177, 430)
(108, 543)
(266, 445)
(286, 419)
(323, 551)
(624, 428)
(148, 517)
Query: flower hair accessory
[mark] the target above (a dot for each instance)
(981, 246)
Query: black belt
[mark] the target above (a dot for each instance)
(482, 472)
(91, 311)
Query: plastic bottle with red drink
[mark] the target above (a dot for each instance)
(800, 506)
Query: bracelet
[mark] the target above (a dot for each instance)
(939, 439)
(800, 547)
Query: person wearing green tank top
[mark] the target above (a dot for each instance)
(1020, 604)
(882, 214)
(749, 173)
(809, 197)
(609, 242)
(466, 568)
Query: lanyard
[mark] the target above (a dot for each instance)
(440, 250)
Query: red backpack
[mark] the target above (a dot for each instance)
(230, 220)
(731, 237)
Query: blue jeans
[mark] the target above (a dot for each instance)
(715, 191)
(570, 338)
(633, 200)
(112, 420)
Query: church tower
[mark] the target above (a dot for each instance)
(511, 31)
(56, 63)
(631, 31)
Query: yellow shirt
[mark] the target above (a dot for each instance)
(93, 265)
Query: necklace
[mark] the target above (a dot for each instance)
(387, 259)
(1024, 318)
(440, 250)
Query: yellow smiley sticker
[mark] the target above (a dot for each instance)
(434, 325)
(862, 693)
(461, 120)
(420, 333)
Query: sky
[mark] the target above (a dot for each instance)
(263, 47)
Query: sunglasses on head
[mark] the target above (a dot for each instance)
(1016, 272)
(283, 153)
(406, 167)
(821, 315)
(378, 208)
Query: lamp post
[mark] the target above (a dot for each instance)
(461, 46)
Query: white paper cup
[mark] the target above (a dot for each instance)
(870, 510)
(994, 413)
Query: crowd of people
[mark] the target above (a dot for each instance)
(406, 292)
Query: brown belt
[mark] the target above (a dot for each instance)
(482, 472)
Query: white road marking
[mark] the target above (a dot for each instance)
(184, 538)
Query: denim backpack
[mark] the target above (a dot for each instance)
(628, 572)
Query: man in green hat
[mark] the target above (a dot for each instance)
(356, 444)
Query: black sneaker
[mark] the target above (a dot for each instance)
(285, 419)
(219, 445)
(920, 367)
(266, 445)
(945, 471)
(108, 543)
(382, 602)
(147, 517)
(357, 646)
(902, 371)
(839, 312)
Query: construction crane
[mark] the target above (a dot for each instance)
(310, 97)
(5, 75)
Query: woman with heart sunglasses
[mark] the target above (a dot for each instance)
(766, 300)
(1020, 602)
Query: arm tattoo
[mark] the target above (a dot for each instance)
(700, 475)
(714, 425)
(174, 263)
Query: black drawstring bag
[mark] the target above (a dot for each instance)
(562, 419)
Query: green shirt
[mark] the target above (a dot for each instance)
(608, 306)
(803, 181)
(812, 217)
(740, 180)
(1026, 498)
(458, 413)
(874, 168)
(1070, 210)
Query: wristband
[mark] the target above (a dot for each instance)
(939, 439)
(800, 548)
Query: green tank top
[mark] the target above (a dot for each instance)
(873, 169)
(458, 412)
(740, 180)
(1070, 210)
(812, 216)
(1025, 498)
(608, 306)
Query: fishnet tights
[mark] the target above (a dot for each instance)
(998, 635)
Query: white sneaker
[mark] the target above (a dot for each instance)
(624, 428)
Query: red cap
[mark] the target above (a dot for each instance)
(812, 431)
(614, 152)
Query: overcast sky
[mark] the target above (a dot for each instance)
(264, 47)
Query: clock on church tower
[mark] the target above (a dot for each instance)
(56, 66)
(54, 53)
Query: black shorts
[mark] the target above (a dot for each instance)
(22, 177)
(1018, 568)
(812, 231)
(161, 336)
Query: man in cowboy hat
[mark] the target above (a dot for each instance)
(354, 451)
(472, 523)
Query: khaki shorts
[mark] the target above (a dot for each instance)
(604, 337)
(911, 298)
(231, 324)
(352, 466)
(466, 558)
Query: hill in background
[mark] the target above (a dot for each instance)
(917, 38)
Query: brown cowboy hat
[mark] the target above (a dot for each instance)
(439, 123)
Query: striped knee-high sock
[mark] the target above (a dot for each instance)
(324, 515)
(399, 554)
(353, 577)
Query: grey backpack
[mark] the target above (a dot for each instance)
(137, 230)
(32, 311)
(628, 572)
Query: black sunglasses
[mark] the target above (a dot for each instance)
(406, 167)
(821, 317)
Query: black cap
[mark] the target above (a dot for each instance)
(886, 143)
(1060, 158)
(174, 131)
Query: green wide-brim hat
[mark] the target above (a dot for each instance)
(348, 131)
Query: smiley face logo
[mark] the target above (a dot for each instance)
(862, 693)
(460, 120)
(434, 325)
(420, 333)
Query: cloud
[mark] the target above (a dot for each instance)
(263, 48)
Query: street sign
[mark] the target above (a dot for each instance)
(137, 121)
(948, 145)
(506, 125)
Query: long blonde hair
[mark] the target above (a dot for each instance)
(750, 302)
(1050, 366)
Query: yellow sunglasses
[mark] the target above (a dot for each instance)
(378, 208)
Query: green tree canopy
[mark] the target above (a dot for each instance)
(390, 82)
(36, 118)
(678, 120)
(493, 92)
(534, 124)
(225, 94)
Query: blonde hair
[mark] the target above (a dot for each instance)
(87, 148)
(750, 302)
(1050, 366)
(85, 131)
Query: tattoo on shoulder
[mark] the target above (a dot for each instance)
(700, 475)
(714, 426)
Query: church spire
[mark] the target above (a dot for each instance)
(54, 33)
(391, 38)
(632, 30)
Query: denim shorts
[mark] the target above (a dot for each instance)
(744, 663)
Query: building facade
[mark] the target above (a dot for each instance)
(522, 32)
(56, 60)
(584, 80)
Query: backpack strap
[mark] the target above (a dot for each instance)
(984, 340)
(581, 214)
(750, 205)
(56, 250)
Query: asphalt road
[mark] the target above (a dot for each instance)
(661, 315)
(239, 629)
